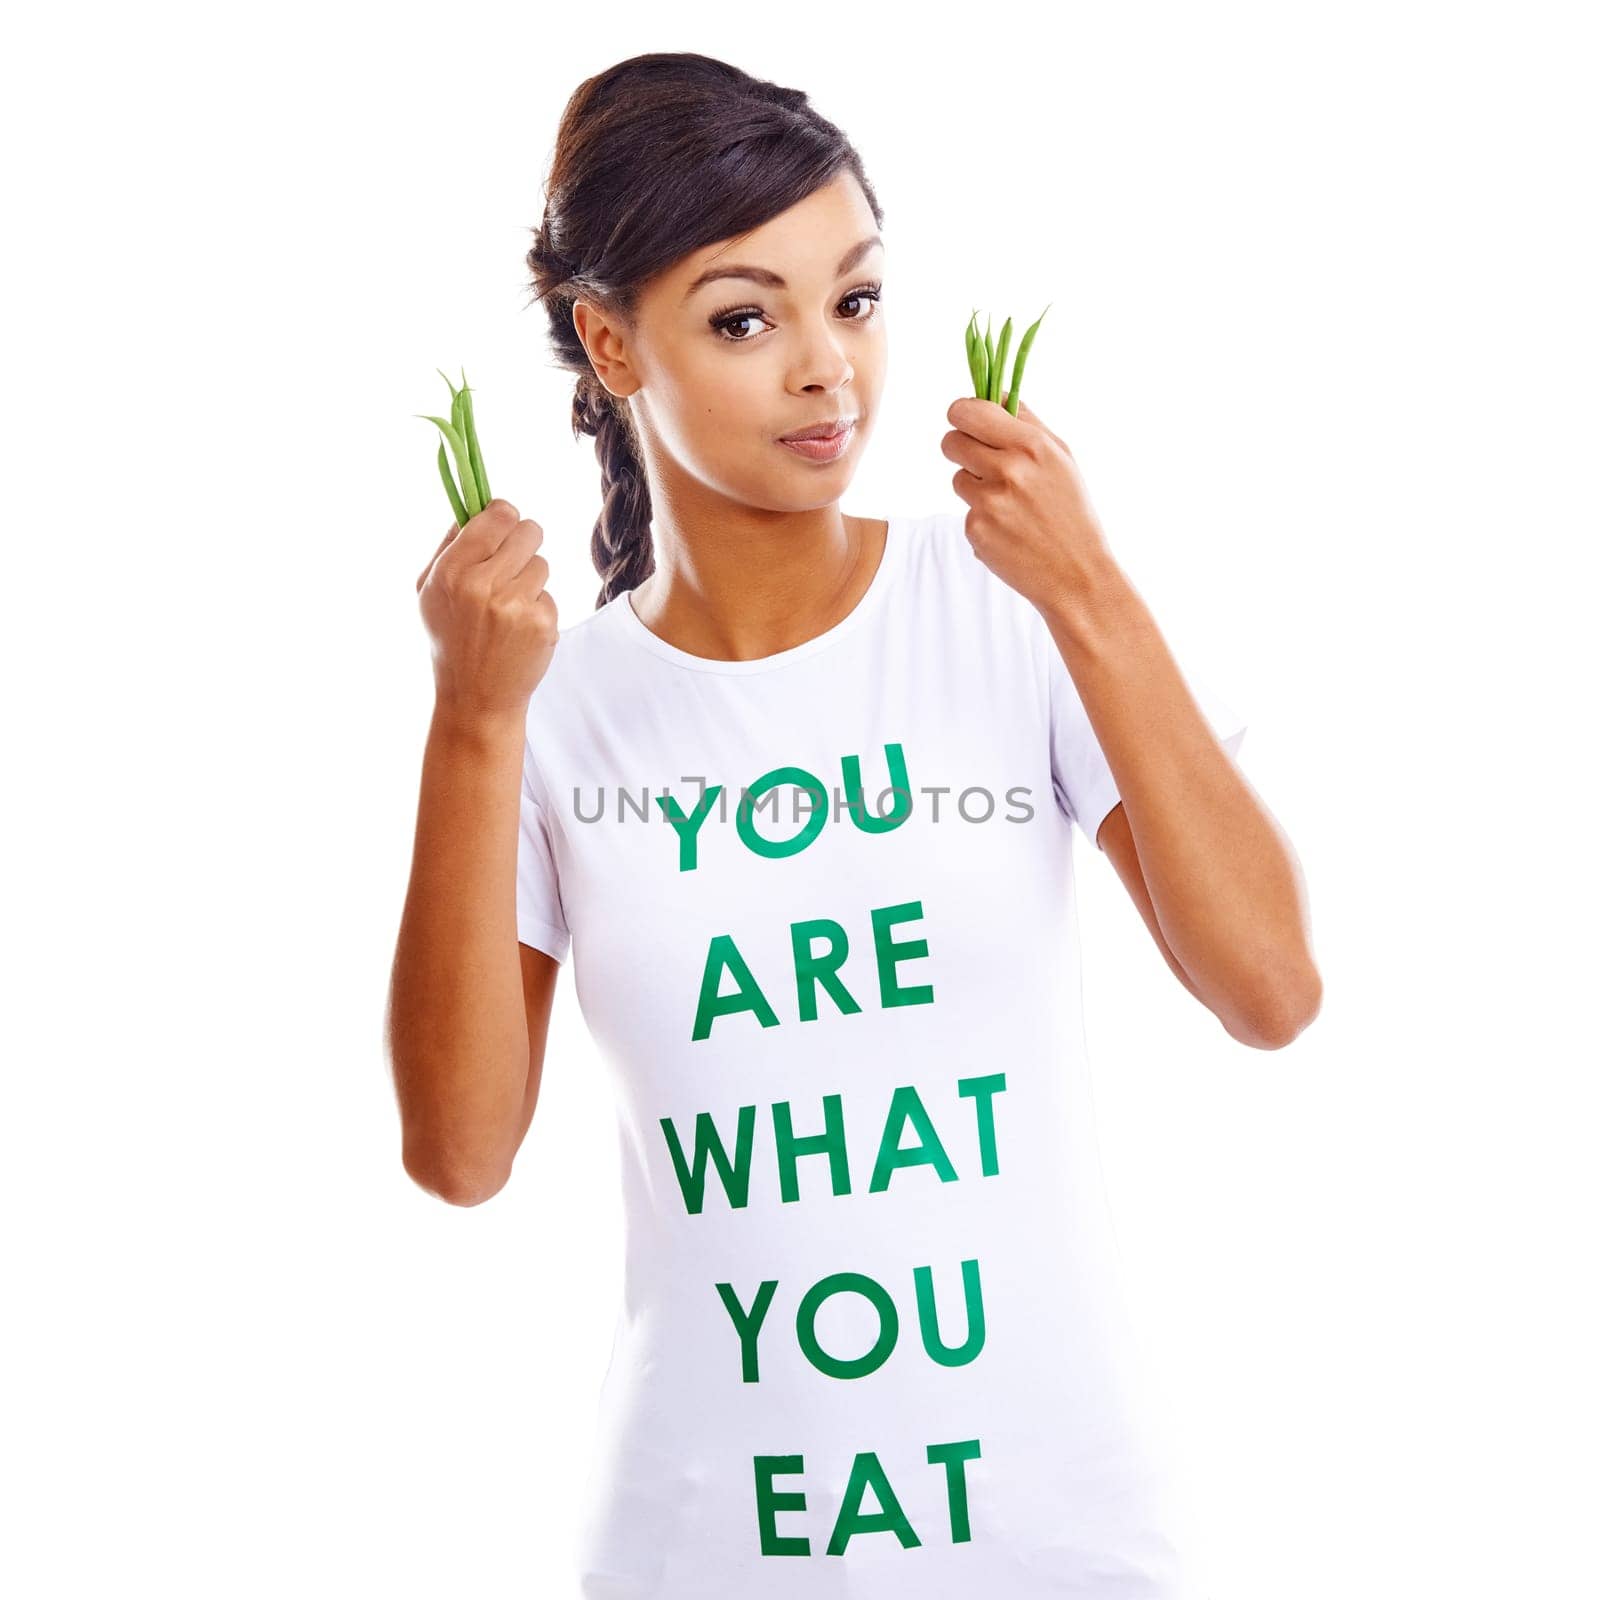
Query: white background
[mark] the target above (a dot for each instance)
(1324, 344)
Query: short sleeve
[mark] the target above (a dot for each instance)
(541, 921)
(1084, 787)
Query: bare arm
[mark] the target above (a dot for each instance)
(469, 1006)
(1208, 867)
(457, 1028)
(1204, 861)
(1116, 839)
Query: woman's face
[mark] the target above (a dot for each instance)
(750, 339)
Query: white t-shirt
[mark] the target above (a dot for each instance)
(872, 1341)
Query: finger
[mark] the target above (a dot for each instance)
(423, 577)
(979, 459)
(988, 423)
(534, 578)
(520, 546)
(484, 533)
(967, 486)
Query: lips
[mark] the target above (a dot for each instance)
(822, 430)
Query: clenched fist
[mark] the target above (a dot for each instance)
(491, 621)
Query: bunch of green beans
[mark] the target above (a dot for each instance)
(461, 434)
(988, 361)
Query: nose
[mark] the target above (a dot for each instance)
(825, 366)
(828, 372)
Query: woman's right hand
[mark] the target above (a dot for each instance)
(492, 623)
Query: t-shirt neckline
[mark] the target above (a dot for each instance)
(871, 599)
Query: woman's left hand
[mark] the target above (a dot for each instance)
(1030, 520)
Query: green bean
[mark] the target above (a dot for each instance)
(474, 454)
(987, 361)
(458, 448)
(455, 401)
(458, 421)
(461, 435)
(450, 488)
(1013, 400)
(1000, 361)
(975, 357)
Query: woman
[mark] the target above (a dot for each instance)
(797, 796)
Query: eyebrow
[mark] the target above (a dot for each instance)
(771, 279)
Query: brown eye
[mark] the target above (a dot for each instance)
(872, 292)
(727, 323)
(723, 322)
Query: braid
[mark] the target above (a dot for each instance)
(620, 545)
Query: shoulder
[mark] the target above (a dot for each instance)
(589, 648)
(584, 675)
(938, 542)
(940, 562)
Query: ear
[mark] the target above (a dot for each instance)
(605, 348)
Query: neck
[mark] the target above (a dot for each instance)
(740, 590)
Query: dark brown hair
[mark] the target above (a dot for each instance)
(656, 157)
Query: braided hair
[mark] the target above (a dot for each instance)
(656, 157)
